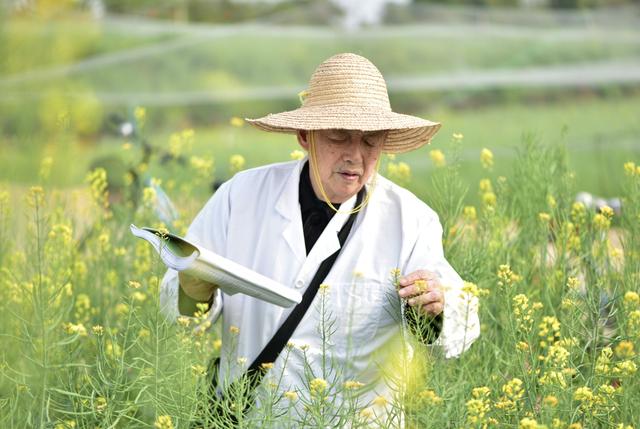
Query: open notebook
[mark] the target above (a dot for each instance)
(182, 255)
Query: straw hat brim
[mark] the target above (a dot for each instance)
(406, 132)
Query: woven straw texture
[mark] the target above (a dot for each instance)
(348, 92)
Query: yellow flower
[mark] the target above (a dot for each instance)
(430, 397)
(352, 384)
(485, 186)
(149, 196)
(624, 349)
(296, 155)
(97, 330)
(78, 329)
(549, 329)
(183, 321)
(241, 360)
(607, 212)
(469, 213)
(573, 283)
(600, 221)
(318, 385)
(550, 401)
(140, 114)
(234, 329)
(291, 395)
(134, 284)
(578, 213)
(551, 202)
(236, 163)
(553, 378)
(163, 422)
(631, 299)
(513, 389)
(366, 413)
(604, 359)
(420, 285)
(630, 168)
(198, 370)
(583, 394)
(625, 368)
(380, 401)
(100, 404)
(575, 426)
(236, 122)
(202, 166)
(45, 167)
(506, 277)
(139, 296)
(486, 158)
(480, 392)
(267, 365)
(489, 199)
(122, 309)
(544, 217)
(558, 355)
(437, 157)
(528, 423)
(457, 137)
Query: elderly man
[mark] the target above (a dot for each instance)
(329, 218)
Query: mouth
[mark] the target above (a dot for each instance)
(349, 175)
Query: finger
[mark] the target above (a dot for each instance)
(433, 309)
(416, 275)
(408, 291)
(426, 299)
(415, 289)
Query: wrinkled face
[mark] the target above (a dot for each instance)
(346, 159)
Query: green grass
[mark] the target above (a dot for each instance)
(82, 346)
(211, 64)
(600, 135)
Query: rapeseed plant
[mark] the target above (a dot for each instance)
(85, 342)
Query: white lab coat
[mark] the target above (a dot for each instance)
(254, 219)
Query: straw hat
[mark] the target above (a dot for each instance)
(348, 92)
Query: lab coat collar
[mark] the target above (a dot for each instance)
(288, 207)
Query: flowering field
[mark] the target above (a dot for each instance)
(85, 344)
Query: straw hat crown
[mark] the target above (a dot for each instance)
(348, 92)
(347, 80)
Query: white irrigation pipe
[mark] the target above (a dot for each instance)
(193, 34)
(568, 76)
(99, 61)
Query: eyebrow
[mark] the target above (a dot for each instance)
(364, 133)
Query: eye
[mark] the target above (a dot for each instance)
(337, 138)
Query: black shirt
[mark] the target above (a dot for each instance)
(316, 213)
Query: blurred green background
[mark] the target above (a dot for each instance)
(563, 72)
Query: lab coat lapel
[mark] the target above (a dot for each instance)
(325, 246)
(288, 207)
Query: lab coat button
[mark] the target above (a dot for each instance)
(299, 283)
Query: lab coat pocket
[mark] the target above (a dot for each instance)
(362, 310)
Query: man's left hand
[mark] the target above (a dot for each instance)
(423, 290)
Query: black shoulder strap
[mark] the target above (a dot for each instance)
(280, 339)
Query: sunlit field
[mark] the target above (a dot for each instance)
(85, 343)
(105, 123)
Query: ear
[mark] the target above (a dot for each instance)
(302, 139)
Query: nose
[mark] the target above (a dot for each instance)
(353, 150)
